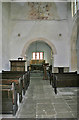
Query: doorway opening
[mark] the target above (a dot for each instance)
(38, 54)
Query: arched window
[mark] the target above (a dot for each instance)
(74, 7)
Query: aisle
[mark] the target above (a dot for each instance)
(41, 102)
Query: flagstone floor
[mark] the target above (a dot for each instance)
(40, 101)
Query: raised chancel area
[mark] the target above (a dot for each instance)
(39, 60)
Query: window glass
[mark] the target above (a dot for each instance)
(37, 55)
(41, 55)
(33, 55)
(78, 5)
(75, 7)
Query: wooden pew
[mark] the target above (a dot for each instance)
(26, 81)
(9, 99)
(22, 81)
(12, 74)
(9, 95)
(66, 79)
(19, 85)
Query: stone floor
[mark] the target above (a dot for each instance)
(40, 101)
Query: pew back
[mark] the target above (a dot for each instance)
(67, 79)
(9, 99)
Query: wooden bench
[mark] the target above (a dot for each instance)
(9, 99)
(26, 81)
(22, 81)
(9, 95)
(19, 85)
(12, 74)
(66, 79)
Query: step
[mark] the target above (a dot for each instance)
(35, 75)
(36, 71)
(36, 78)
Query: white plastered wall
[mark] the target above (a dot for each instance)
(5, 35)
(29, 30)
(0, 36)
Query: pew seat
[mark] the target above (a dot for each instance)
(9, 99)
(18, 85)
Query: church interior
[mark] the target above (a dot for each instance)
(39, 59)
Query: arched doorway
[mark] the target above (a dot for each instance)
(39, 44)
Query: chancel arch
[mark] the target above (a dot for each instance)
(37, 45)
(77, 42)
(25, 48)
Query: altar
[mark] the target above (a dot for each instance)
(37, 64)
(36, 67)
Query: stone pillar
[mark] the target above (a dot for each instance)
(78, 43)
(26, 63)
(78, 54)
(0, 36)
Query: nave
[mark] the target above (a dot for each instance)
(40, 36)
(40, 101)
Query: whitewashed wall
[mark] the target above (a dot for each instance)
(5, 35)
(0, 36)
(28, 30)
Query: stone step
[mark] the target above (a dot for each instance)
(36, 74)
(36, 78)
(36, 71)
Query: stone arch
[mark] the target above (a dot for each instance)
(78, 42)
(74, 48)
(25, 48)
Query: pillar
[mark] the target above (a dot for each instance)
(0, 36)
(25, 62)
(78, 43)
(78, 54)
